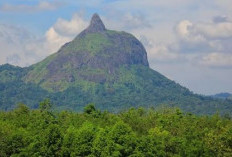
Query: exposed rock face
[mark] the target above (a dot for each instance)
(92, 55)
(96, 25)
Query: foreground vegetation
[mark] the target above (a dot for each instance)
(136, 132)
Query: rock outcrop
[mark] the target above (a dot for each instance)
(94, 54)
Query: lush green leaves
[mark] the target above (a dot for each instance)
(135, 133)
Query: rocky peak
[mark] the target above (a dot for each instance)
(96, 25)
(99, 48)
(91, 56)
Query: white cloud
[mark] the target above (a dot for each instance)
(217, 60)
(215, 30)
(71, 27)
(183, 28)
(13, 48)
(195, 42)
(32, 49)
(64, 31)
(134, 21)
(204, 39)
(54, 40)
(41, 6)
(187, 32)
(219, 28)
(161, 53)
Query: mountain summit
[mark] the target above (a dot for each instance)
(101, 66)
(96, 25)
(95, 55)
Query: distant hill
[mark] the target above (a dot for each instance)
(222, 96)
(101, 66)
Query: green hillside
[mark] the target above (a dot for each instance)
(108, 68)
(222, 96)
(127, 91)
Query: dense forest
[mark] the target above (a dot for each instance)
(154, 90)
(135, 132)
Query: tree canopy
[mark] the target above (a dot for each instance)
(135, 132)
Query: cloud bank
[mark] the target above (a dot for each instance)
(211, 41)
(22, 48)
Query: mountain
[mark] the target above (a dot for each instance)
(222, 96)
(101, 66)
(95, 55)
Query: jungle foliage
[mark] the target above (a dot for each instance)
(134, 133)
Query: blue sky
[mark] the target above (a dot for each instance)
(189, 41)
